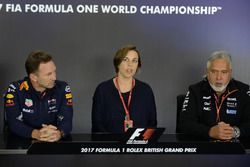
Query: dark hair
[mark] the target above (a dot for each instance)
(121, 54)
(34, 59)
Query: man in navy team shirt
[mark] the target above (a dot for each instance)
(39, 106)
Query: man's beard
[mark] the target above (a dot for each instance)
(219, 89)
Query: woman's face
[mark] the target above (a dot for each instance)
(129, 65)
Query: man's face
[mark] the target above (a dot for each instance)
(46, 75)
(219, 75)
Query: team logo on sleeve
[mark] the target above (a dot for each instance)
(11, 88)
(9, 100)
(24, 85)
(28, 102)
(9, 103)
(68, 95)
(69, 102)
(9, 96)
(185, 102)
(67, 88)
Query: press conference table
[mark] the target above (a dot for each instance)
(107, 150)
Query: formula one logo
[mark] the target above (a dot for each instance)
(141, 136)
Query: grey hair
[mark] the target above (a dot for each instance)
(219, 55)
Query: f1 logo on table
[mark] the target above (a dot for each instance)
(141, 136)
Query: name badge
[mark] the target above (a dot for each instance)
(128, 124)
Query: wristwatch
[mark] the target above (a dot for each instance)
(236, 132)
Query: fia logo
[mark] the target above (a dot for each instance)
(141, 136)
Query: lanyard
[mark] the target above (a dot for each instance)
(122, 99)
(218, 107)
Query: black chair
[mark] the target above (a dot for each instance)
(5, 122)
(180, 100)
